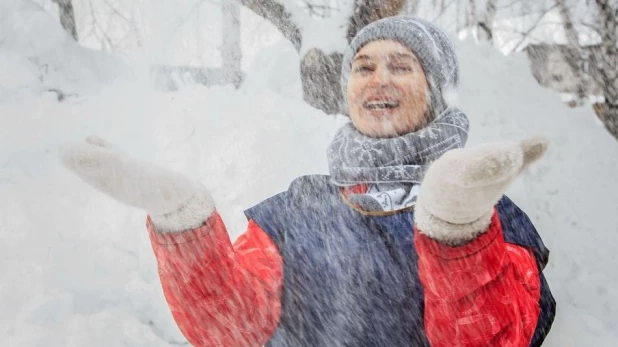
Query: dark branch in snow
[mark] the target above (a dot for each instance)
(67, 17)
(61, 95)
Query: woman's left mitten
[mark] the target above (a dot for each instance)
(460, 189)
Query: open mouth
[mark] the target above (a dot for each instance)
(381, 105)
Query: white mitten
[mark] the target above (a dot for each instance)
(460, 189)
(174, 202)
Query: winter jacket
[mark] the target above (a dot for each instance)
(312, 270)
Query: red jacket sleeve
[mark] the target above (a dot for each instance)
(220, 294)
(484, 293)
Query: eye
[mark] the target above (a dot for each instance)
(363, 69)
(401, 68)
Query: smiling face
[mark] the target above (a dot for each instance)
(387, 91)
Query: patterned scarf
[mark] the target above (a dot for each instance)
(392, 166)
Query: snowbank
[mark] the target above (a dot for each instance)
(45, 57)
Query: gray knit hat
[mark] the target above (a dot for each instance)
(431, 45)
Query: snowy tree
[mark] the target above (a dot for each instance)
(608, 63)
(486, 21)
(575, 56)
(320, 66)
(596, 63)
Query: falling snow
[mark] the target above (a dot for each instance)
(77, 267)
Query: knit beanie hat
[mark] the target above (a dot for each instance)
(432, 46)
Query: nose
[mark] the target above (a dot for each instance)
(380, 76)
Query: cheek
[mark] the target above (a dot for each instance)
(353, 94)
(354, 110)
(415, 91)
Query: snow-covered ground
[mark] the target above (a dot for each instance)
(76, 267)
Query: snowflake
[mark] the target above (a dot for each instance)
(365, 151)
(431, 132)
(399, 172)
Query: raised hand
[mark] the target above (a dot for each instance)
(460, 189)
(174, 202)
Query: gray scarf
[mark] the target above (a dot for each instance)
(355, 158)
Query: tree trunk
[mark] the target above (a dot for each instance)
(471, 18)
(67, 17)
(367, 11)
(320, 75)
(486, 24)
(575, 57)
(608, 66)
(231, 53)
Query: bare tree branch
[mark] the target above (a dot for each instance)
(319, 10)
(471, 15)
(276, 13)
(532, 28)
(593, 27)
(105, 39)
(115, 11)
(576, 57)
(443, 8)
(367, 11)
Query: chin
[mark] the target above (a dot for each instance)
(385, 125)
(380, 130)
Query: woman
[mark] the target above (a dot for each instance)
(367, 256)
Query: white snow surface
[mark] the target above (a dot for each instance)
(77, 268)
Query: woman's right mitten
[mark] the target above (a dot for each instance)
(174, 202)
